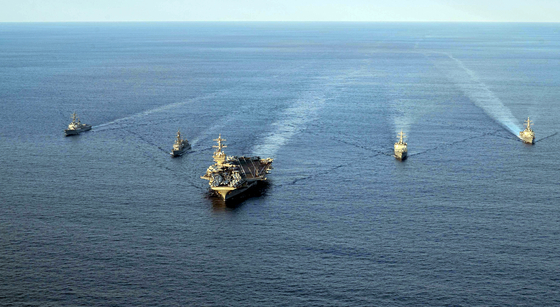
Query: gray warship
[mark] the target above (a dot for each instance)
(75, 127)
(180, 146)
(527, 135)
(401, 150)
(232, 175)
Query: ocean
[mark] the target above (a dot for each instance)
(108, 218)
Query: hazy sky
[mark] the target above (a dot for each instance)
(285, 10)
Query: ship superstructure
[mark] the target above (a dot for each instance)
(75, 127)
(527, 135)
(180, 146)
(401, 150)
(233, 175)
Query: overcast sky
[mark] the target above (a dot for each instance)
(285, 10)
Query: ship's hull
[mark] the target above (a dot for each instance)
(70, 132)
(527, 138)
(400, 156)
(528, 141)
(400, 150)
(177, 153)
(229, 192)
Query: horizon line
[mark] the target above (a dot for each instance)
(277, 21)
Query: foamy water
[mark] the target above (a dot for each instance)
(291, 121)
(302, 111)
(160, 109)
(478, 92)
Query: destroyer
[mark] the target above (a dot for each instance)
(75, 127)
(527, 135)
(180, 146)
(401, 149)
(232, 175)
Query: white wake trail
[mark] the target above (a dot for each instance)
(214, 130)
(481, 95)
(293, 120)
(156, 110)
(304, 110)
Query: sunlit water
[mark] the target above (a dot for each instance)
(109, 218)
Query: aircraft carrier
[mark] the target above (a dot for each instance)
(230, 176)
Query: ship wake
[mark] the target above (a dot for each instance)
(546, 137)
(478, 92)
(160, 109)
(292, 121)
(219, 125)
(453, 143)
(295, 118)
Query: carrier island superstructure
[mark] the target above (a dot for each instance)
(401, 149)
(527, 135)
(232, 175)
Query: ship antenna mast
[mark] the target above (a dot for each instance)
(400, 136)
(528, 124)
(219, 155)
(220, 145)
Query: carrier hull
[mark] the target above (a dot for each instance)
(229, 192)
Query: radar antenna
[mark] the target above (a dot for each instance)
(400, 136)
(528, 124)
(178, 136)
(220, 145)
(219, 155)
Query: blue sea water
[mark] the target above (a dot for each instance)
(108, 218)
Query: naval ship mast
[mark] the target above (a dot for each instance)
(528, 124)
(400, 136)
(219, 156)
(178, 140)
